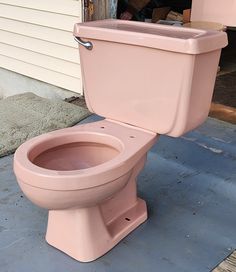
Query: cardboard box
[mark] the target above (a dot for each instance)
(160, 14)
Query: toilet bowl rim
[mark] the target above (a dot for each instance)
(79, 179)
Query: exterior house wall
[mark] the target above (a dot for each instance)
(36, 40)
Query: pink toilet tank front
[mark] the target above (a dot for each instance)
(155, 77)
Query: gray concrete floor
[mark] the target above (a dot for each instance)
(189, 184)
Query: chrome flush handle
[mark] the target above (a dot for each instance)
(88, 45)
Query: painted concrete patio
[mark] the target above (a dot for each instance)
(189, 184)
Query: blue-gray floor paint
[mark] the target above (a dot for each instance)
(189, 184)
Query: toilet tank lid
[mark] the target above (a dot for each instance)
(169, 38)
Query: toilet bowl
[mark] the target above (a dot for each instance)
(86, 175)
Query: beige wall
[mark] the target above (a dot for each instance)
(36, 40)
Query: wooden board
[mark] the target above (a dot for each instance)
(36, 59)
(228, 265)
(40, 73)
(39, 46)
(36, 40)
(38, 32)
(54, 6)
(222, 112)
(38, 17)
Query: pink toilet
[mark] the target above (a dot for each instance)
(223, 12)
(145, 79)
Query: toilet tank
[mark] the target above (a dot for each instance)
(218, 11)
(159, 78)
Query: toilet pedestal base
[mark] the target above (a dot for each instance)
(88, 233)
(84, 236)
